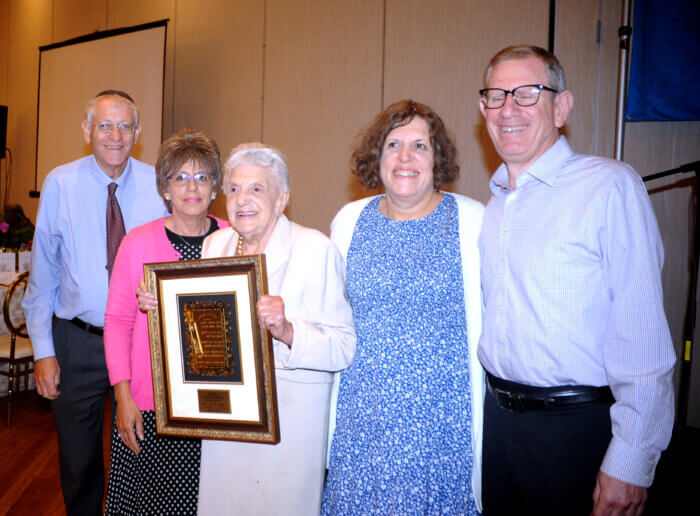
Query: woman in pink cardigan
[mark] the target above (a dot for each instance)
(151, 473)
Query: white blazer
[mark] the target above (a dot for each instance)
(307, 271)
(470, 214)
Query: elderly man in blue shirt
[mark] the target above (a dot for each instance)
(85, 208)
(576, 345)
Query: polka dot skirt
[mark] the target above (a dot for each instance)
(162, 479)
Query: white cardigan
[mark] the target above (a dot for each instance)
(470, 213)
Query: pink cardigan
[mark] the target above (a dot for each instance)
(127, 350)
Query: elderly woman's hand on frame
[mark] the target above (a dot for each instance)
(271, 314)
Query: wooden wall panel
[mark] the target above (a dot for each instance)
(577, 50)
(29, 28)
(609, 50)
(218, 76)
(219, 71)
(322, 85)
(686, 145)
(125, 13)
(591, 71)
(72, 18)
(654, 147)
(436, 53)
(4, 48)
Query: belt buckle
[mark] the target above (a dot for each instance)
(508, 400)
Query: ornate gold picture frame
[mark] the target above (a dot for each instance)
(213, 366)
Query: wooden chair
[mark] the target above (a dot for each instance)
(15, 348)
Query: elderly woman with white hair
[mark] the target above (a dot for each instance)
(308, 314)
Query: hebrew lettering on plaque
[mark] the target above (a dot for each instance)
(209, 336)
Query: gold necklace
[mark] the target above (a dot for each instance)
(239, 247)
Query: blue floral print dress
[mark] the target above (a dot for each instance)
(402, 443)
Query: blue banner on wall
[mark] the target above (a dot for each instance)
(665, 71)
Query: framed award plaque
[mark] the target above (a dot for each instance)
(213, 366)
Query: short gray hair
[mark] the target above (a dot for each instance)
(555, 73)
(118, 96)
(260, 155)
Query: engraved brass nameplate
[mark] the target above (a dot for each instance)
(214, 401)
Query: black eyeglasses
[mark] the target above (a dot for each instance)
(524, 96)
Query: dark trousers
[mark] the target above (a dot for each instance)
(79, 415)
(542, 461)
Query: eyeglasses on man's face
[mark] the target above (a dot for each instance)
(107, 128)
(181, 179)
(526, 95)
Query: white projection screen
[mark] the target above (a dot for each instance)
(131, 59)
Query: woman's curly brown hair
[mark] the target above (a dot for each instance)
(367, 156)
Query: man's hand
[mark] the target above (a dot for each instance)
(612, 497)
(47, 376)
(272, 318)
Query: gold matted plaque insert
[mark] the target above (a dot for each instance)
(209, 333)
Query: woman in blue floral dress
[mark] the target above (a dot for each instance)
(409, 414)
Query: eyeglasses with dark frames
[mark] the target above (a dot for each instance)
(524, 96)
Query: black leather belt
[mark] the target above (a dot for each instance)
(522, 398)
(95, 330)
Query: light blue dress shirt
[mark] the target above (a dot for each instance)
(69, 252)
(571, 275)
